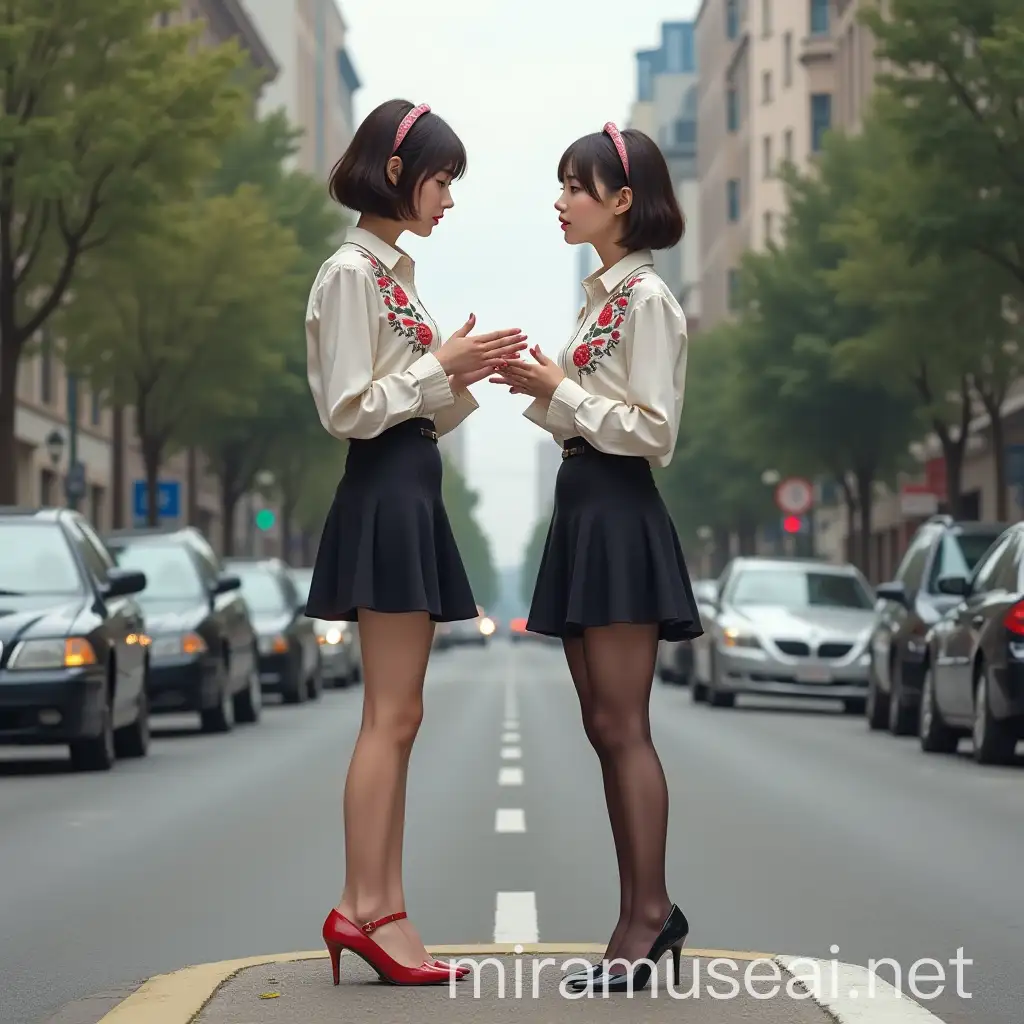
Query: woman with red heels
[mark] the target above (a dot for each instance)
(612, 580)
(382, 380)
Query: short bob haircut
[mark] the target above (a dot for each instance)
(654, 220)
(359, 179)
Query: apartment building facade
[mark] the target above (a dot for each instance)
(765, 96)
(63, 429)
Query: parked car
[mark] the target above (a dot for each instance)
(788, 628)
(340, 652)
(974, 657)
(288, 652)
(73, 660)
(910, 605)
(202, 646)
(675, 662)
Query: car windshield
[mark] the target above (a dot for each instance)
(960, 553)
(800, 588)
(36, 559)
(170, 572)
(261, 589)
(302, 579)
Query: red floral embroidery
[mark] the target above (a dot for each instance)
(604, 336)
(403, 316)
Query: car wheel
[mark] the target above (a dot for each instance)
(901, 712)
(936, 737)
(96, 754)
(316, 681)
(854, 705)
(249, 703)
(994, 742)
(716, 697)
(297, 689)
(222, 717)
(877, 708)
(133, 740)
(698, 692)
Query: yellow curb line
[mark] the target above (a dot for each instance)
(177, 997)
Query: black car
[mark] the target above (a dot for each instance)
(202, 644)
(912, 604)
(974, 667)
(73, 658)
(289, 652)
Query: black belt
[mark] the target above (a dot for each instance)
(574, 446)
(432, 434)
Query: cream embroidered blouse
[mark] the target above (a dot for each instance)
(370, 344)
(625, 366)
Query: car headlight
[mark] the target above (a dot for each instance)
(487, 626)
(59, 652)
(733, 637)
(332, 637)
(864, 660)
(276, 643)
(176, 644)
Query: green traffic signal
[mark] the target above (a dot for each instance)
(264, 519)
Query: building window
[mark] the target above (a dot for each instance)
(766, 18)
(47, 488)
(821, 118)
(766, 153)
(787, 60)
(733, 296)
(732, 18)
(732, 192)
(685, 132)
(732, 110)
(680, 49)
(766, 87)
(787, 146)
(819, 17)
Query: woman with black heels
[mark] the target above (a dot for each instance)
(387, 559)
(612, 580)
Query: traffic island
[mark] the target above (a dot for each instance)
(522, 984)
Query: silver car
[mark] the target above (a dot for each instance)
(340, 652)
(787, 628)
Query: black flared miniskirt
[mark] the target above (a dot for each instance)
(387, 544)
(612, 553)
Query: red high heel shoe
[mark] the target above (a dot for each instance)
(340, 933)
(460, 972)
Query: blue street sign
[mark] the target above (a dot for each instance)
(168, 498)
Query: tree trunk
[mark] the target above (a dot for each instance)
(117, 496)
(865, 503)
(192, 475)
(992, 400)
(228, 506)
(853, 545)
(151, 452)
(9, 353)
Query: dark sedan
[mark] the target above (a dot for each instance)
(974, 670)
(202, 643)
(72, 654)
(289, 653)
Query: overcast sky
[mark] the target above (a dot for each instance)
(518, 80)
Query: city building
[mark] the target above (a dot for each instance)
(317, 79)
(63, 430)
(765, 96)
(666, 109)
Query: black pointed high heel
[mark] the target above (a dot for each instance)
(672, 936)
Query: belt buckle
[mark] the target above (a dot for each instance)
(432, 434)
(578, 450)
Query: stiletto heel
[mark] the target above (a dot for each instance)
(339, 933)
(672, 936)
(677, 952)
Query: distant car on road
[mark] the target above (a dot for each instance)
(73, 660)
(676, 658)
(788, 628)
(202, 643)
(289, 654)
(910, 605)
(974, 657)
(340, 651)
(474, 632)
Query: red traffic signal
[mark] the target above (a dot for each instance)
(792, 524)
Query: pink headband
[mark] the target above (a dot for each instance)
(408, 121)
(620, 145)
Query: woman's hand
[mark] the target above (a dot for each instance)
(461, 381)
(465, 354)
(538, 380)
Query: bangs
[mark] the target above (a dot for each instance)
(589, 159)
(443, 152)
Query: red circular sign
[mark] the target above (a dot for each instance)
(794, 496)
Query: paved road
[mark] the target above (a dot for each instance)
(792, 830)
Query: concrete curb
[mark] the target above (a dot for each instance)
(840, 989)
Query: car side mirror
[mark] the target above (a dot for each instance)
(225, 584)
(894, 591)
(124, 582)
(955, 586)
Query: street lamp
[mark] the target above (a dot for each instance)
(770, 477)
(55, 446)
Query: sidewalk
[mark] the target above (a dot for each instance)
(717, 987)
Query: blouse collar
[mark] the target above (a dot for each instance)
(611, 278)
(387, 254)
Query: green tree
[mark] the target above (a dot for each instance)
(954, 95)
(184, 333)
(101, 117)
(460, 503)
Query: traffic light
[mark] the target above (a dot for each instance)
(265, 519)
(792, 524)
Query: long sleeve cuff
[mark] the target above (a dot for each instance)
(434, 385)
(537, 412)
(448, 419)
(568, 397)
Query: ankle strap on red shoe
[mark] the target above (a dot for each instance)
(372, 926)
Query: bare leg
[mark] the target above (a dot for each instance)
(620, 663)
(574, 656)
(395, 649)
